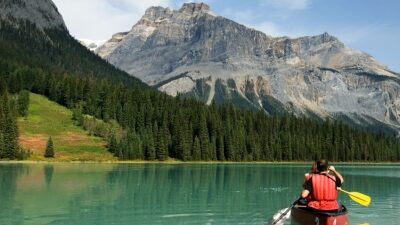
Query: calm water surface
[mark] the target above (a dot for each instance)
(178, 194)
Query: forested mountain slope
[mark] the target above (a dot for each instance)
(48, 61)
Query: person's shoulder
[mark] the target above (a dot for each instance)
(307, 176)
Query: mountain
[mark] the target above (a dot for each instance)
(38, 54)
(142, 123)
(34, 37)
(42, 13)
(194, 52)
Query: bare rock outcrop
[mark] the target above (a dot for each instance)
(42, 13)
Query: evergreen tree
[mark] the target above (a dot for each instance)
(220, 148)
(184, 148)
(204, 139)
(8, 128)
(23, 103)
(196, 154)
(150, 149)
(77, 115)
(112, 144)
(162, 145)
(2, 127)
(49, 152)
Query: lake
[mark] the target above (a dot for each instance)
(173, 194)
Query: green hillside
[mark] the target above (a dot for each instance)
(46, 118)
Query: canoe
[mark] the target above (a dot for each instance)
(304, 216)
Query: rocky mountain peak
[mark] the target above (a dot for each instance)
(324, 38)
(43, 13)
(194, 8)
(156, 12)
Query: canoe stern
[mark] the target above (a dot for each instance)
(301, 216)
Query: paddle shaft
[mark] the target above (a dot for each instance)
(282, 215)
(286, 211)
(349, 193)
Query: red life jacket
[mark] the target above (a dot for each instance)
(324, 193)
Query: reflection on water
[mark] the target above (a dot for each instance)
(177, 194)
(185, 194)
(48, 174)
(9, 212)
(382, 184)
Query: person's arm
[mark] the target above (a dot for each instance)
(337, 174)
(307, 189)
(305, 193)
(306, 176)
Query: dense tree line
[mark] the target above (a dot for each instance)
(158, 126)
(8, 128)
(9, 105)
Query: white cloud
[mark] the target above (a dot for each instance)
(99, 19)
(288, 4)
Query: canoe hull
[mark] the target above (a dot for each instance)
(301, 216)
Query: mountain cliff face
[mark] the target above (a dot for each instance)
(43, 13)
(194, 52)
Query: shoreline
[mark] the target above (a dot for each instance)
(173, 162)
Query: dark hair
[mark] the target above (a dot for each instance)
(322, 165)
(314, 168)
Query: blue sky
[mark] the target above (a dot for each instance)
(372, 26)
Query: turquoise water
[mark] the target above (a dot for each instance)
(178, 194)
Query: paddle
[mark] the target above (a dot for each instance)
(360, 198)
(285, 212)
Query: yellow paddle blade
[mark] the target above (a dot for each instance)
(360, 198)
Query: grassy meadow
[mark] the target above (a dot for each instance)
(71, 143)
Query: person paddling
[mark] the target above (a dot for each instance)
(321, 187)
